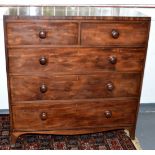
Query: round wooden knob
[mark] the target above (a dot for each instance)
(115, 34)
(110, 86)
(43, 88)
(43, 60)
(42, 34)
(108, 114)
(113, 59)
(43, 116)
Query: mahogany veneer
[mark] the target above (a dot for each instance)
(74, 75)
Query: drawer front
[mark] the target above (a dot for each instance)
(74, 114)
(75, 60)
(40, 33)
(113, 34)
(109, 84)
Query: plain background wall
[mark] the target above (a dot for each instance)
(148, 89)
(3, 80)
(79, 2)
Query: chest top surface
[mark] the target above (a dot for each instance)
(74, 12)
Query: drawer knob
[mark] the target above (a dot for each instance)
(115, 34)
(112, 59)
(43, 60)
(43, 88)
(110, 86)
(42, 34)
(43, 116)
(108, 114)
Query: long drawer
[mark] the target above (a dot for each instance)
(75, 60)
(74, 114)
(42, 33)
(60, 87)
(114, 33)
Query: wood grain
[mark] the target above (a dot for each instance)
(28, 33)
(73, 114)
(100, 34)
(74, 60)
(59, 87)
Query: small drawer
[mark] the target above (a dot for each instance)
(67, 114)
(75, 60)
(42, 33)
(62, 87)
(114, 34)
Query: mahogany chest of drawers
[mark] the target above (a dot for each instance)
(74, 74)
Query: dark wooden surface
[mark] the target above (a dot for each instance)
(67, 60)
(73, 114)
(130, 34)
(75, 86)
(29, 33)
(74, 75)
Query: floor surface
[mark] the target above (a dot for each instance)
(146, 129)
